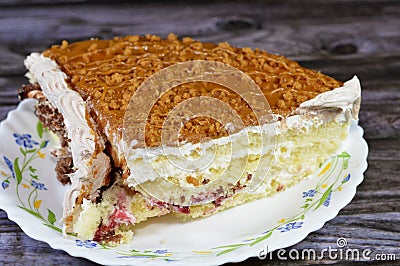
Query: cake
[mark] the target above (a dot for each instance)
(125, 165)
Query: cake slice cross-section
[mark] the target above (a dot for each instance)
(85, 90)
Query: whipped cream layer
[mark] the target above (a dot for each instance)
(51, 79)
(203, 160)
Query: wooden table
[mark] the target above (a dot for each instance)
(340, 38)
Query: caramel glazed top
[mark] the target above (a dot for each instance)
(106, 73)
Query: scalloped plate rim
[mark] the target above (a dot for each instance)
(54, 240)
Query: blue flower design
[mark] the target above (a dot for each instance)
(25, 140)
(10, 166)
(347, 178)
(309, 194)
(45, 143)
(328, 200)
(161, 251)
(5, 184)
(37, 185)
(86, 243)
(290, 226)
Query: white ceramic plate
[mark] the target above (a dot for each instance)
(32, 197)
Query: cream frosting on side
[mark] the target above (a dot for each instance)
(347, 97)
(73, 108)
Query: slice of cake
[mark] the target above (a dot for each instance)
(269, 129)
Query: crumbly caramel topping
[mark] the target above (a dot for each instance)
(106, 73)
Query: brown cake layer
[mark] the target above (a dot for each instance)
(107, 72)
(54, 121)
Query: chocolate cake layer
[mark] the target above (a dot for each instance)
(52, 120)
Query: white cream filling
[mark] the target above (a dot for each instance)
(148, 164)
(73, 108)
(203, 159)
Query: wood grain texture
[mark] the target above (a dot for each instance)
(340, 38)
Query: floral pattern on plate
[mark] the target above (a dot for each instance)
(24, 178)
(29, 186)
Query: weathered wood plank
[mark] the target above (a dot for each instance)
(384, 149)
(379, 239)
(18, 249)
(315, 34)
